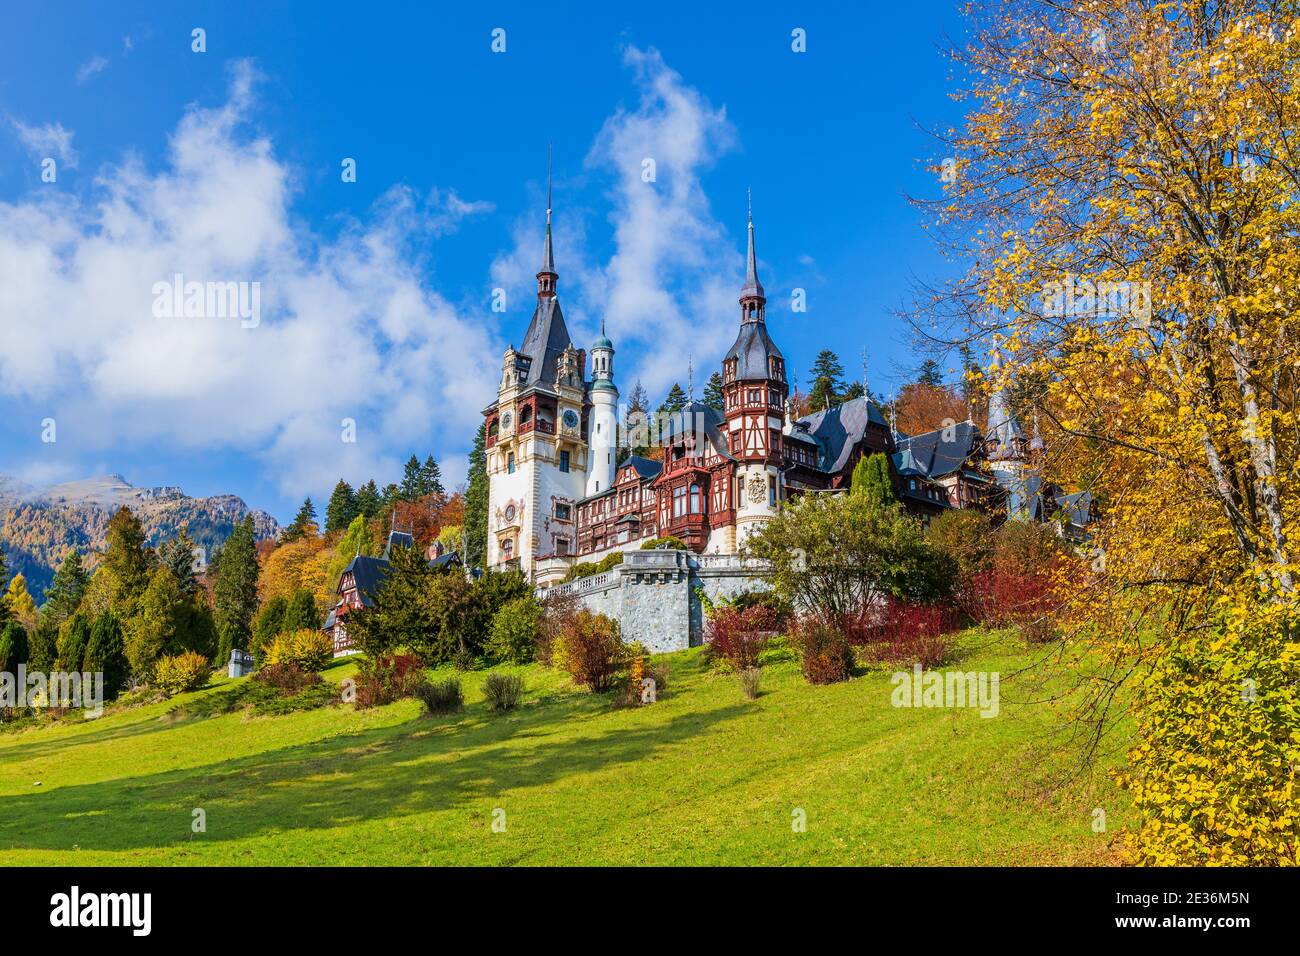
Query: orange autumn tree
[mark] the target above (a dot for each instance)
(1126, 189)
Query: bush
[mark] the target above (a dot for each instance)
(749, 681)
(1006, 598)
(288, 677)
(174, 675)
(901, 633)
(503, 691)
(585, 569)
(514, 631)
(591, 650)
(308, 649)
(558, 611)
(387, 678)
(736, 637)
(440, 697)
(827, 655)
(668, 541)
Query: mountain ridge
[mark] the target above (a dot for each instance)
(38, 525)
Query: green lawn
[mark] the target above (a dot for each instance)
(701, 777)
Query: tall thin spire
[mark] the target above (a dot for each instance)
(690, 376)
(547, 276)
(752, 299)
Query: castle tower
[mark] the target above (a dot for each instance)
(604, 416)
(536, 446)
(754, 389)
(1005, 449)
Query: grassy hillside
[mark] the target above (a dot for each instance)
(702, 777)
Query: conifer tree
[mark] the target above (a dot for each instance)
(127, 560)
(342, 508)
(412, 484)
(304, 524)
(106, 654)
(72, 641)
(431, 478)
(713, 396)
(236, 590)
(369, 501)
(66, 589)
(177, 555)
(871, 480)
(13, 647)
(476, 503)
(300, 613)
(19, 603)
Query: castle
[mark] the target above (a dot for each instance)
(558, 491)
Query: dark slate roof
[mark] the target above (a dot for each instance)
(689, 417)
(449, 560)
(752, 349)
(546, 339)
(398, 539)
(838, 430)
(369, 574)
(646, 468)
(930, 455)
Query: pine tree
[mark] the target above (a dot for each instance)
(431, 478)
(638, 401)
(13, 647)
(675, 401)
(300, 614)
(66, 589)
(871, 480)
(369, 502)
(269, 624)
(72, 641)
(106, 654)
(713, 396)
(236, 590)
(158, 629)
(827, 382)
(304, 525)
(342, 508)
(177, 555)
(476, 503)
(930, 374)
(127, 560)
(412, 485)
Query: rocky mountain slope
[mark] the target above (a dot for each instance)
(39, 525)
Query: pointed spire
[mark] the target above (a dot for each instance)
(752, 299)
(547, 276)
(690, 377)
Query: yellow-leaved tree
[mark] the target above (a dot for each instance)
(1125, 191)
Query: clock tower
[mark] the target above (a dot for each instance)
(537, 454)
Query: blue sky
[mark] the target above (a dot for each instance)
(376, 295)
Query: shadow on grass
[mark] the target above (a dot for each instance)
(425, 765)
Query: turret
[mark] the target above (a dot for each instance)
(603, 440)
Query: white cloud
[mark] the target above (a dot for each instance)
(50, 140)
(349, 328)
(671, 285)
(92, 66)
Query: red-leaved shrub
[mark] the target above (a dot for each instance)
(387, 678)
(737, 635)
(1005, 598)
(827, 656)
(899, 632)
(288, 677)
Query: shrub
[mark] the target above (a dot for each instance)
(106, 654)
(174, 675)
(778, 605)
(736, 637)
(440, 697)
(1002, 597)
(558, 611)
(514, 631)
(749, 681)
(900, 632)
(387, 678)
(288, 677)
(585, 569)
(309, 649)
(591, 650)
(827, 655)
(503, 691)
(669, 542)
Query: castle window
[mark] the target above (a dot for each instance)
(695, 500)
(526, 414)
(507, 549)
(679, 501)
(564, 461)
(771, 491)
(561, 546)
(755, 396)
(562, 512)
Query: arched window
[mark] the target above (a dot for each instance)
(510, 463)
(507, 549)
(695, 500)
(526, 414)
